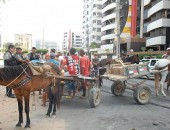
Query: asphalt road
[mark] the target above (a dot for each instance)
(113, 113)
(117, 113)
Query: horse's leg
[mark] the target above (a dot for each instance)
(20, 109)
(157, 76)
(50, 97)
(26, 99)
(164, 74)
(54, 103)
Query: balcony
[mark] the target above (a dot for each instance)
(110, 26)
(107, 37)
(108, 7)
(108, 17)
(158, 23)
(157, 7)
(160, 40)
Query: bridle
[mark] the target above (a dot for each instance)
(22, 82)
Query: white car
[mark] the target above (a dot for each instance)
(151, 63)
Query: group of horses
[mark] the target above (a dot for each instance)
(23, 82)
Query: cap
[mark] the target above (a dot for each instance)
(168, 48)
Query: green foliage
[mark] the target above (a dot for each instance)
(158, 56)
(94, 45)
(143, 48)
(42, 51)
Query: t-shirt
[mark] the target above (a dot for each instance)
(53, 61)
(72, 64)
(85, 63)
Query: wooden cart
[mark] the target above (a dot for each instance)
(121, 73)
(94, 94)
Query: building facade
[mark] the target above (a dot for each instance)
(77, 40)
(110, 23)
(71, 39)
(157, 23)
(23, 40)
(92, 17)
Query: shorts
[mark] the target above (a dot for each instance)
(71, 85)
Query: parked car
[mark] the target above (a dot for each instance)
(151, 63)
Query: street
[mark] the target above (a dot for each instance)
(113, 113)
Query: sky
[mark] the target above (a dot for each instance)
(30, 16)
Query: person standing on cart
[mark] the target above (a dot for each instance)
(72, 62)
(84, 69)
(95, 63)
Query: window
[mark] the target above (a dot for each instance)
(98, 38)
(98, 29)
(99, 22)
(94, 21)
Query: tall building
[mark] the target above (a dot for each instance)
(71, 39)
(23, 40)
(157, 24)
(121, 19)
(110, 25)
(92, 16)
(77, 41)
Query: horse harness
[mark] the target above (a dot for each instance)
(23, 82)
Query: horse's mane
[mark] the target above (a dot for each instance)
(11, 72)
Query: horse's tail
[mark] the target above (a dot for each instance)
(58, 98)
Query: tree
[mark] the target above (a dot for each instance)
(94, 45)
(42, 51)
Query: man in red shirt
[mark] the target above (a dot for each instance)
(72, 62)
(84, 69)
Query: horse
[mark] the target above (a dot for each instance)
(162, 71)
(21, 79)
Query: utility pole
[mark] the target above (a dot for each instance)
(118, 28)
(141, 19)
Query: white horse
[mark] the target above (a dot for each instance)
(160, 71)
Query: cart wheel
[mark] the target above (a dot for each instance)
(118, 88)
(142, 94)
(94, 97)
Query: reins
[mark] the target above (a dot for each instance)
(17, 76)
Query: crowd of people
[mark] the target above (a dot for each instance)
(71, 64)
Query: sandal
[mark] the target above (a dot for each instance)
(69, 97)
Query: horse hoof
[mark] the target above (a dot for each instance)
(54, 114)
(18, 125)
(48, 114)
(27, 126)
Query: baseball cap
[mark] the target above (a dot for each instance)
(168, 48)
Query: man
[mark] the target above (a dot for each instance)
(95, 63)
(31, 56)
(52, 59)
(84, 69)
(72, 62)
(19, 57)
(167, 55)
(9, 60)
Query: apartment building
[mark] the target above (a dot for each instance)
(23, 40)
(92, 17)
(77, 40)
(110, 25)
(157, 23)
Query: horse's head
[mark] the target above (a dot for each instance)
(106, 61)
(162, 63)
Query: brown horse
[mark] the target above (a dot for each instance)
(23, 82)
